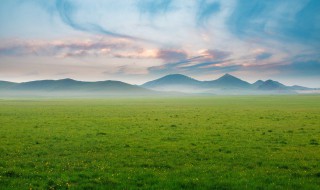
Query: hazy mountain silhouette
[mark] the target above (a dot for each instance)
(272, 85)
(174, 82)
(6, 84)
(227, 84)
(275, 85)
(257, 83)
(227, 81)
(296, 87)
(173, 79)
(178, 81)
(70, 87)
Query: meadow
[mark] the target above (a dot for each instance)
(231, 142)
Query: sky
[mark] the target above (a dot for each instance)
(140, 40)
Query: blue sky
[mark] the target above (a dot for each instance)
(139, 40)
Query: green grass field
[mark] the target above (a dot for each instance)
(243, 142)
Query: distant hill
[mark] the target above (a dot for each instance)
(178, 82)
(173, 82)
(296, 87)
(72, 87)
(272, 85)
(227, 81)
(257, 83)
(6, 84)
(174, 79)
(226, 84)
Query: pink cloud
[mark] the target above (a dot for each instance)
(170, 55)
(66, 48)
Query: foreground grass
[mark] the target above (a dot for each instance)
(262, 142)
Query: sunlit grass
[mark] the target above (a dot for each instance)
(266, 142)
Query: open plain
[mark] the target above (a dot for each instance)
(220, 142)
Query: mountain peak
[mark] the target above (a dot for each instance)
(228, 77)
(175, 76)
(229, 81)
(273, 82)
(67, 79)
(171, 80)
(272, 85)
(258, 83)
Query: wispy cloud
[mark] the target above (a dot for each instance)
(154, 7)
(204, 58)
(263, 56)
(163, 36)
(170, 55)
(183, 61)
(66, 48)
(300, 69)
(206, 9)
(67, 9)
(215, 54)
(278, 20)
(117, 48)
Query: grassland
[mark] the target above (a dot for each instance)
(244, 142)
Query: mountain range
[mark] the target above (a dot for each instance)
(170, 84)
(227, 84)
(70, 87)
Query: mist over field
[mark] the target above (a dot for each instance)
(170, 85)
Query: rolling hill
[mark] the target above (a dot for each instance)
(173, 84)
(73, 85)
(226, 84)
(70, 87)
(272, 85)
(257, 83)
(6, 84)
(227, 81)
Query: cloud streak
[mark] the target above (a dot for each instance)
(66, 48)
(279, 20)
(117, 48)
(206, 9)
(263, 56)
(204, 59)
(66, 10)
(154, 7)
(164, 36)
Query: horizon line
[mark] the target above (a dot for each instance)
(226, 74)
